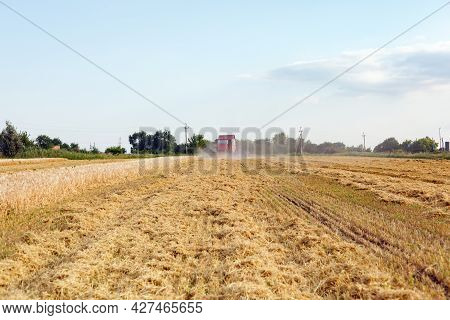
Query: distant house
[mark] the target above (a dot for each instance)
(56, 148)
(226, 143)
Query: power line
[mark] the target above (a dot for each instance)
(90, 61)
(326, 84)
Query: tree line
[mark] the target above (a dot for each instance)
(281, 144)
(426, 144)
(13, 142)
(162, 142)
(16, 143)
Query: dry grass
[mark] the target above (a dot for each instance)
(219, 231)
(10, 162)
(16, 165)
(20, 190)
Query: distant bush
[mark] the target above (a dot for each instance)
(71, 155)
(359, 148)
(115, 150)
(326, 147)
(329, 147)
(50, 153)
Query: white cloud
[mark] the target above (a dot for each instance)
(392, 71)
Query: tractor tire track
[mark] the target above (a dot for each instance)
(354, 233)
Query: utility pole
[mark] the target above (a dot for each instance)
(440, 139)
(364, 141)
(301, 140)
(120, 141)
(185, 137)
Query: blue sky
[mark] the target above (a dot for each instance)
(234, 63)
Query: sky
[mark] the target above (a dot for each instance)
(225, 64)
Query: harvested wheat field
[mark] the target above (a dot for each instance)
(194, 228)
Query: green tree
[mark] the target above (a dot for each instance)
(44, 142)
(74, 147)
(196, 142)
(65, 146)
(292, 145)
(406, 145)
(10, 141)
(138, 141)
(169, 142)
(180, 148)
(279, 143)
(160, 142)
(94, 150)
(388, 145)
(426, 144)
(279, 138)
(26, 140)
(57, 142)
